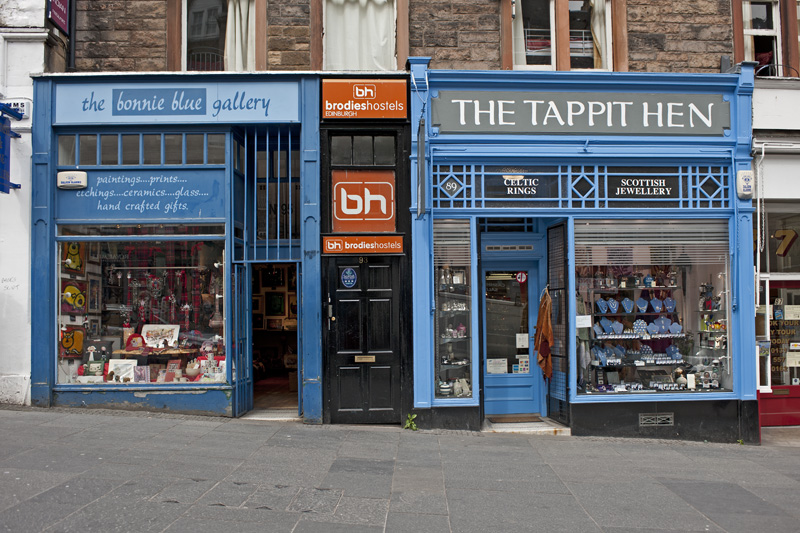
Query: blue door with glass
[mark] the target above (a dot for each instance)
(512, 380)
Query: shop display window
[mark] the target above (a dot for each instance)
(140, 312)
(646, 328)
(453, 322)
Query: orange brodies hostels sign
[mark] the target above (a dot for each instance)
(364, 98)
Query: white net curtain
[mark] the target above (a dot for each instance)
(360, 35)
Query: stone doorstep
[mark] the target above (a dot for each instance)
(545, 427)
(273, 415)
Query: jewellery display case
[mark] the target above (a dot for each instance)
(648, 333)
(453, 340)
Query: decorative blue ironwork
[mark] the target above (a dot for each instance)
(581, 186)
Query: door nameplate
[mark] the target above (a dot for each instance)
(365, 358)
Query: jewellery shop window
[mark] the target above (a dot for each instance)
(140, 312)
(452, 335)
(652, 307)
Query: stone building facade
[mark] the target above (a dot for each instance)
(136, 35)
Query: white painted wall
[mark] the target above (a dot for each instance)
(22, 53)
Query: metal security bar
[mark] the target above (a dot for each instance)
(558, 386)
(267, 194)
(581, 186)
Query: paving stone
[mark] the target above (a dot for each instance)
(311, 500)
(398, 522)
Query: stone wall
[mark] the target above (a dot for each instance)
(679, 36)
(121, 35)
(456, 34)
(288, 35)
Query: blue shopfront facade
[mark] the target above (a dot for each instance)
(157, 198)
(583, 251)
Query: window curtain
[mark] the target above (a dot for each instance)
(598, 22)
(360, 35)
(240, 36)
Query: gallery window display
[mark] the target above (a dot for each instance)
(652, 315)
(134, 310)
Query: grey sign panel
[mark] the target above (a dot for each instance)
(583, 113)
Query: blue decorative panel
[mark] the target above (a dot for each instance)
(145, 195)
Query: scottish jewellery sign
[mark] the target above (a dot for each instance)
(570, 113)
(177, 102)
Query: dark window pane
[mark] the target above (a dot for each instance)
(341, 150)
(194, 149)
(384, 150)
(152, 149)
(216, 149)
(130, 149)
(362, 150)
(109, 150)
(88, 148)
(173, 149)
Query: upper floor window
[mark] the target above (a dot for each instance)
(360, 35)
(220, 35)
(761, 24)
(538, 36)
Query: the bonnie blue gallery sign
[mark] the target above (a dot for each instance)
(177, 102)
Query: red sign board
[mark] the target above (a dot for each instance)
(363, 201)
(58, 13)
(362, 244)
(364, 98)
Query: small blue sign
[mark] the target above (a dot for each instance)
(349, 278)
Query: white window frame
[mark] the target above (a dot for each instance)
(553, 45)
(749, 54)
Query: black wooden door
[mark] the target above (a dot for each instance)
(362, 340)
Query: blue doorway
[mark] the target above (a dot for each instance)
(512, 380)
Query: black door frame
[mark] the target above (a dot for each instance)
(400, 129)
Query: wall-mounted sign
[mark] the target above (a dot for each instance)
(363, 201)
(349, 278)
(58, 13)
(71, 179)
(364, 98)
(145, 195)
(520, 186)
(177, 102)
(643, 188)
(22, 106)
(570, 113)
(362, 244)
(5, 155)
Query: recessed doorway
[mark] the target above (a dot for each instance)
(275, 346)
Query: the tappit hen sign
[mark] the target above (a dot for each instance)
(364, 98)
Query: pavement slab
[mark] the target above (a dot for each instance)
(78, 470)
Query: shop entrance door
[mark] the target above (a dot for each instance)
(361, 339)
(512, 379)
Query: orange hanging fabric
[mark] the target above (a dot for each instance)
(543, 338)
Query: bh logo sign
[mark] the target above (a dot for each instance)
(363, 201)
(364, 91)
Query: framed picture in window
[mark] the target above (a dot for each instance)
(275, 304)
(292, 305)
(73, 297)
(274, 324)
(94, 252)
(258, 304)
(272, 278)
(73, 258)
